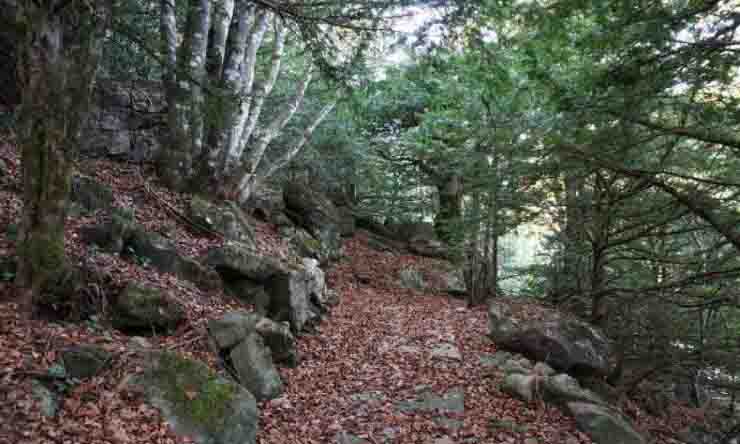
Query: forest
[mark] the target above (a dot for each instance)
(298, 220)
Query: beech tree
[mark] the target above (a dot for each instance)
(216, 92)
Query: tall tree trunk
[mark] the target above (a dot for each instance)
(450, 192)
(57, 64)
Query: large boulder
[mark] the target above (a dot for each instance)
(291, 301)
(233, 328)
(253, 363)
(318, 215)
(198, 403)
(233, 261)
(250, 292)
(567, 344)
(603, 424)
(127, 120)
(146, 310)
(227, 219)
(521, 386)
(563, 389)
(155, 250)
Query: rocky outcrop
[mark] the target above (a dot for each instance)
(603, 424)
(318, 215)
(227, 219)
(146, 310)
(127, 120)
(296, 292)
(119, 235)
(253, 344)
(198, 403)
(567, 344)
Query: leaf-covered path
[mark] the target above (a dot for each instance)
(383, 368)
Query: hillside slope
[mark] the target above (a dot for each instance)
(390, 364)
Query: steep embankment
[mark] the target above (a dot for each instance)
(389, 365)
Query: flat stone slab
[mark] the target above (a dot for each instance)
(450, 402)
(446, 351)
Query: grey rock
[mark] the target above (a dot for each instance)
(412, 278)
(520, 386)
(543, 369)
(250, 292)
(227, 219)
(127, 120)
(446, 351)
(518, 365)
(603, 424)
(253, 363)
(494, 360)
(48, 400)
(449, 402)
(198, 403)
(454, 283)
(235, 327)
(562, 389)
(234, 261)
(318, 215)
(84, 361)
(146, 309)
(568, 345)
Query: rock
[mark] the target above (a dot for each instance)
(153, 249)
(543, 369)
(521, 386)
(412, 278)
(127, 120)
(446, 403)
(48, 400)
(603, 425)
(233, 328)
(233, 262)
(267, 204)
(139, 342)
(253, 363)
(146, 310)
(562, 389)
(197, 402)
(454, 283)
(296, 292)
(318, 215)
(227, 219)
(250, 292)
(446, 351)
(518, 365)
(90, 194)
(444, 440)
(568, 345)
(290, 300)
(84, 361)
(302, 242)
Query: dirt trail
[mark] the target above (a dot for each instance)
(400, 366)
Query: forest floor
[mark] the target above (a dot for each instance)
(364, 376)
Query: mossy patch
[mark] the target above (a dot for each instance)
(194, 393)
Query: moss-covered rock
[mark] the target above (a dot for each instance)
(146, 309)
(227, 219)
(199, 403)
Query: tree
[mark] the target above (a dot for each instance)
(218, 83)
(58, 57)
